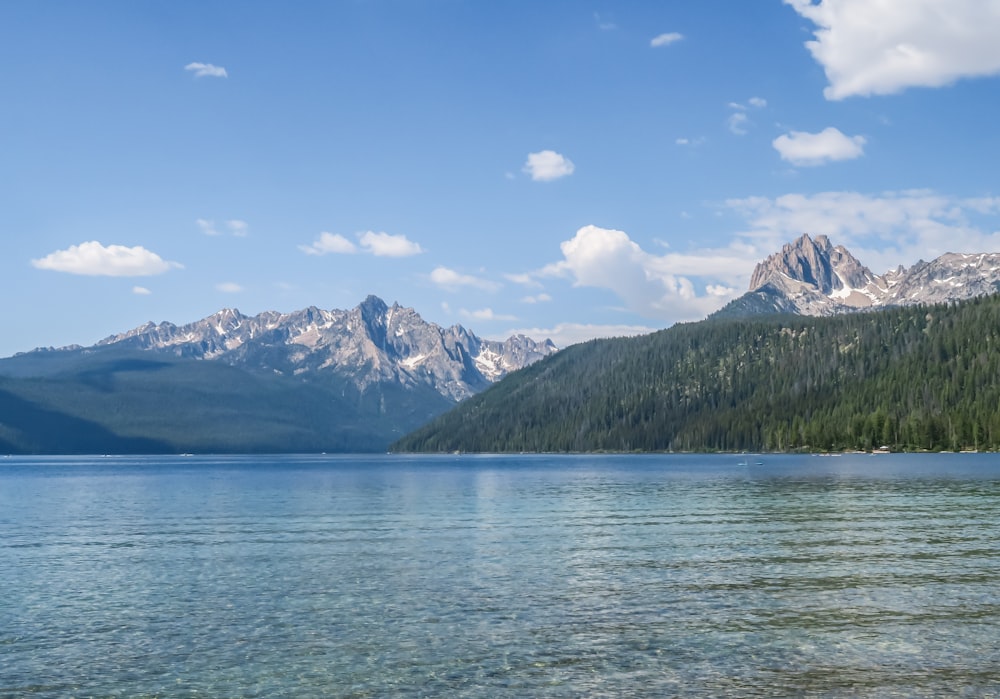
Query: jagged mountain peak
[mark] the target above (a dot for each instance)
(372, 343)
(811, 276)
(815, 262)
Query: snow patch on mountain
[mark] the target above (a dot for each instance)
(813, 277)
(372, 343)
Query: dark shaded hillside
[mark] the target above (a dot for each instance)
(910, 378)
(133, 402)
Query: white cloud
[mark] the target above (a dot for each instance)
(665, 39)
(385, 245)
(207, 227)
(603, 24)
(880, 48)
(806, 149)
(548, 165)
(378, 244)
(737, 123)
(566, 334)
(329, 243)
(485, 314)
(523, 280)
(237, 227)
(141, 291)
(693, 142)
(451, 280)
(655, 286)
(203, 70)
(93, 259)
(537, 298)
(882, 231)
(229, 287)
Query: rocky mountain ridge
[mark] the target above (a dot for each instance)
(371, 343)
(815, 278)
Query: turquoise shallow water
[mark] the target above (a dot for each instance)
(500, 576)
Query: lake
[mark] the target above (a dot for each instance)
(500, 576)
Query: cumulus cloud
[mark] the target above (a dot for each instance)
(452, 281)
(879, 48)
(548, 165)
(93, 259)
(229, 287)
(378, 244)
(141, 291)
(206, 70)
(385, 245)
(655, 286)
(882, 230)
(329, 243)
(807, 149)
(537, 298)
(665, 39)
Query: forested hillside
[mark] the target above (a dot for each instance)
(916, 378)
(117, 402)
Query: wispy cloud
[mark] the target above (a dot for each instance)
(141, 291)
(739, 121)
(604, 24)
(523, 280)
(207, 227)
(484, 314)
(206, 70)
(229, 287)
(235, 227)
(548, 165)
(810, 149)
(93, 259)
(666, 39)
(451, 280)
(692, 142)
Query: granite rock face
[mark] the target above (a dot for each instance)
(813, 277)
(371, 343)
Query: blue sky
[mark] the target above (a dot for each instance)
(565, 169)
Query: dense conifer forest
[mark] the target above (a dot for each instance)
(912, 379)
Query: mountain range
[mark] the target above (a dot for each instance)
(358, 380)
(371, 344)
(815, 278)
(310, 380)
